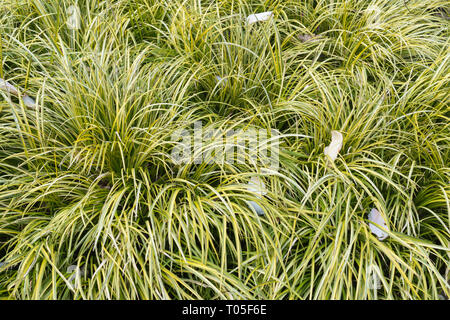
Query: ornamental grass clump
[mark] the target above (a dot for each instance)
(354, 94)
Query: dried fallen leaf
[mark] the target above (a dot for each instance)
(258, 187)
(256, 207)
(221, 81)
(6, 86)
(76, 273)
(259, 17)
(373, 279)
(27, 100)
(335, 146)
(307, 37)
(378, 223)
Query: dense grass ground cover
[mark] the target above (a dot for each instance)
(86, 177)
